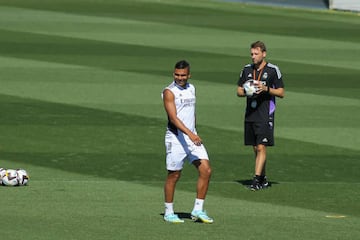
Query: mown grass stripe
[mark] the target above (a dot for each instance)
(233, 20)
(211, 41)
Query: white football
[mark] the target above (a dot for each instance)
(250, 87)
(10, 178)
(22, 176)
(2, 174)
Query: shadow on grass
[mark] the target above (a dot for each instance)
(247, 182)
(184, 215)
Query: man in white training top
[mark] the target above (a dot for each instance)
(182, 143)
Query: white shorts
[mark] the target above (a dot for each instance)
(179, 149)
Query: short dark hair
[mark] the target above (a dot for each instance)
(182, 65)
(259, 44)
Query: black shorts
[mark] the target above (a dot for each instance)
(259, 133)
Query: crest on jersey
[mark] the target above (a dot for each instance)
(265, 75)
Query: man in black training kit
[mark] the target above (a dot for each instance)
(260, 108)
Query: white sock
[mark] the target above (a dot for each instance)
(169, 208)
(199, 203)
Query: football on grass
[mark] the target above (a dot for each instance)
(10, 178)
(2, 174)
(22, 177)
(250, 87)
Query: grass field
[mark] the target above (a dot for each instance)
(81, 112)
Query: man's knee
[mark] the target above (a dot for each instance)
(204, 168)
(173, 175)
(260, 148)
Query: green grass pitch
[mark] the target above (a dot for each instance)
(81, 112)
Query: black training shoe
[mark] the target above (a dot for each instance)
(265, 183)
(255, 185)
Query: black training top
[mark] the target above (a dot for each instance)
(261, 107)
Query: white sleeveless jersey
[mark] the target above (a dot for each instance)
(185, 106)
(178, 145)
